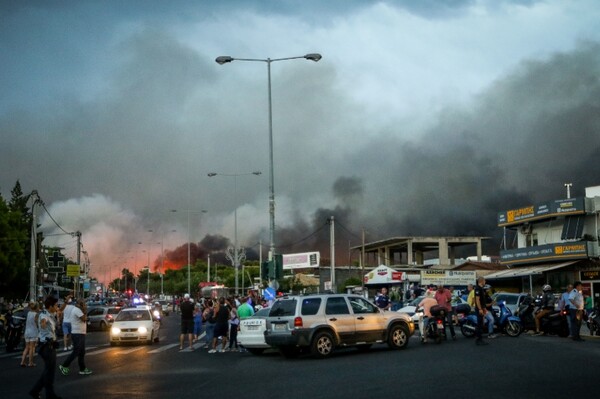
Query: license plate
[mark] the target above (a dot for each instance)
(128, 335)
(279, 327)
(251, 327)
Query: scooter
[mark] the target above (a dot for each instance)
(593, 320)
(436, 329)
(504, 322)
(554, 323)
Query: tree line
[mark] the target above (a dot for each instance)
(15, 244)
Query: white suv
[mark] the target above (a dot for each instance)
(324, 321)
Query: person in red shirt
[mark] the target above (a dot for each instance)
(443, 297)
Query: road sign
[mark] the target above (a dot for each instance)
(72, 270)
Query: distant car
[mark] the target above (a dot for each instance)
(252, 332)
(101, 317)
(321, 322)
(134, 325)
(165, 306)
(410, 309)
(512, 300)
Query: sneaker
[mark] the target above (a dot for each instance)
(64, 370)
(212, 351)
(492, 336)
(85, 371)
(66, 348)
(70, 347)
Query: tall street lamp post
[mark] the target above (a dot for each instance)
(224, 59)
(189, 212)
(236, 255)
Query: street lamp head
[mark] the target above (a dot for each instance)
(224, 59)
(257, 173)
(212, 174)
(312, 56)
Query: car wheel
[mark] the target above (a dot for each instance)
(322, 345)
(149, 342)
(256, 351)
(398, 336)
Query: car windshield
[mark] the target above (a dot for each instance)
(285, 307)
(133, 315)
(416, 301)
(263, 312)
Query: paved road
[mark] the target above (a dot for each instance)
(523, 367)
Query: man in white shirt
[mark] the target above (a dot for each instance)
(576, 310)
(78, 331)
(66, 309)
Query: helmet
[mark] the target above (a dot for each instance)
(546, 288)
(156, 303)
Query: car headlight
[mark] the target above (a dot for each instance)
(115, 331)
(142, 330)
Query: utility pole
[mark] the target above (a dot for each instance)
(362, 261)
(32, 265)
(332, 246)
(78, 293)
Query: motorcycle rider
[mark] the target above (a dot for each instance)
(426, 304)
(547, 305)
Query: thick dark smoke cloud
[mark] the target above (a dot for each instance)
(118, 122)
(531, 131)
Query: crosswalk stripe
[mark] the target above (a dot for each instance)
(163, 348)
(98, 352)
(125, 352)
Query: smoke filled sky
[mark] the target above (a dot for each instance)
(423, 117)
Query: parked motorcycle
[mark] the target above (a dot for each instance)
(554, 323)
(593, 320)
(436, 330)
(504, 322)
(14, 329)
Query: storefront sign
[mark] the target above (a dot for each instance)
(448, 277)
(530, 213)
(541, 253)
(590, 275)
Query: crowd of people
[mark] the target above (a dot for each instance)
(219, 318)
(479, 298)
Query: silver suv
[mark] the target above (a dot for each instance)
(322, 322)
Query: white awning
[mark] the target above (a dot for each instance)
(384, 275)
(526, 271)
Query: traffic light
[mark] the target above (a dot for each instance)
(273, 269)
(278, 267)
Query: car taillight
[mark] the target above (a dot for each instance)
(109, 316)
(298, 322)
(440, 321)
